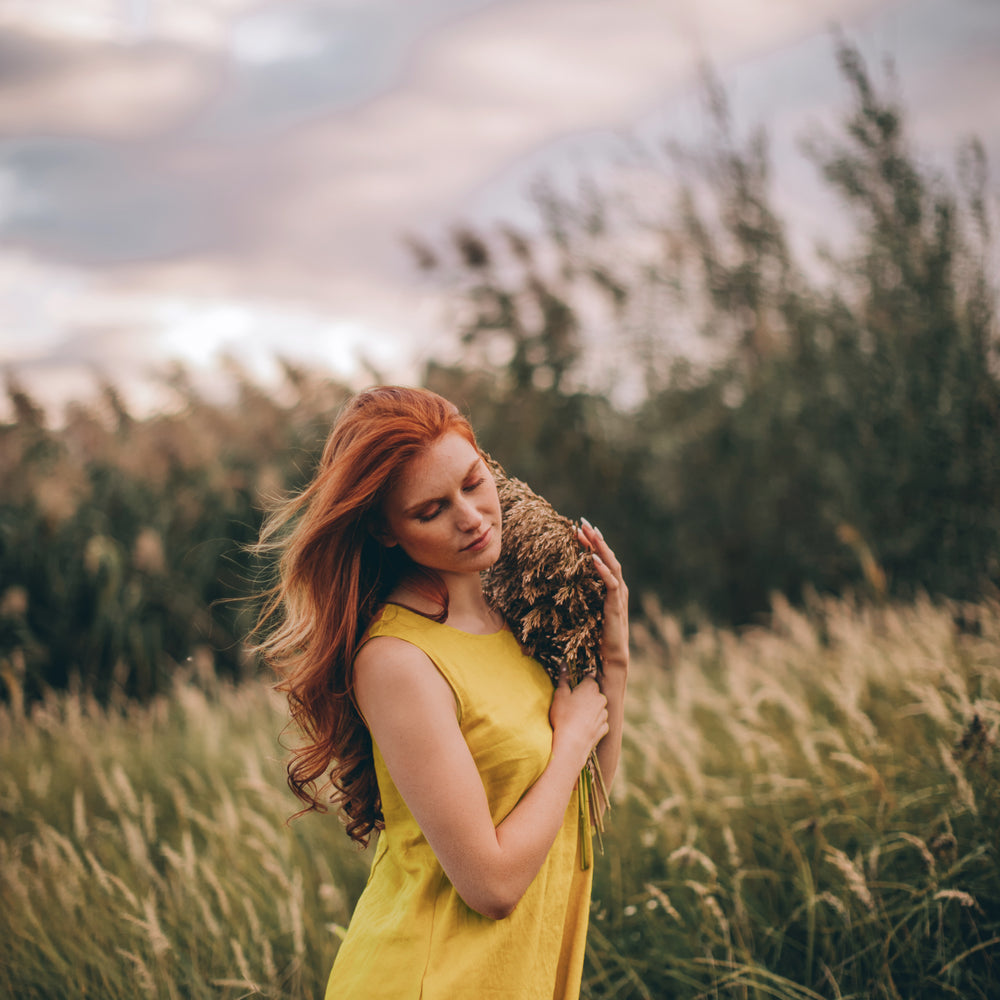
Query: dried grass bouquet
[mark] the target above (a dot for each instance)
(546, 587)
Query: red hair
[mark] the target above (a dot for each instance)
(333, 576)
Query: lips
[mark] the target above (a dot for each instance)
(480, 543)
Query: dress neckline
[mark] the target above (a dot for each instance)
(461, 631)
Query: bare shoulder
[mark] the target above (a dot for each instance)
(392, 674)
(387, 652)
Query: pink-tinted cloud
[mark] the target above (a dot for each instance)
(173, 155)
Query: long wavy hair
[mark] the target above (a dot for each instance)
(332, 576)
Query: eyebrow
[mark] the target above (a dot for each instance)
(420, 505)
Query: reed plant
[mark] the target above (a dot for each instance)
(805, 809)
(809, 809)
(123, 539)
(145, 853)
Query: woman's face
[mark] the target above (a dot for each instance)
(444, 512)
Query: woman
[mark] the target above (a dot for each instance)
(427, 721)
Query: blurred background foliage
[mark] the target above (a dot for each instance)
(121, 539)
(657, 356)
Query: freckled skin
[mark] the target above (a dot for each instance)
(444, 512)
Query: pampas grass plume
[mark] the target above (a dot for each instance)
(545, 583)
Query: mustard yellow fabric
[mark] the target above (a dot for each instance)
(412, 937)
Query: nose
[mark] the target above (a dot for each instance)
(469, 518)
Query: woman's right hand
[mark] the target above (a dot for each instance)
(579, 718)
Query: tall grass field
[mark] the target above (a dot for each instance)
(805, 810)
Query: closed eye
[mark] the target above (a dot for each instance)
(474, 486)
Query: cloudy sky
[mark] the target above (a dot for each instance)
(183, 179)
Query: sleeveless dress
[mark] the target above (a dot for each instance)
(411, 936)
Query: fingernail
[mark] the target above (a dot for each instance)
(597, 558)
(586, 523)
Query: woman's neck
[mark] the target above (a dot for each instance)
(468, 609)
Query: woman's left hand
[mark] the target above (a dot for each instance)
(614, 638)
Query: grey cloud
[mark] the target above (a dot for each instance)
(23, 58)
(101, 203)
(283, 163)
(335, 56)
(202, 182)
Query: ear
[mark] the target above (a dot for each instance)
(379, 530)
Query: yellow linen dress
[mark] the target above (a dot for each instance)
(412, 937)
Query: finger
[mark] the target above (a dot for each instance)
(611, 580)
(589, 532)
(610, 560)
(600, 546)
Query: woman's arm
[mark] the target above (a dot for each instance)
(614, 648)
(411, 712)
